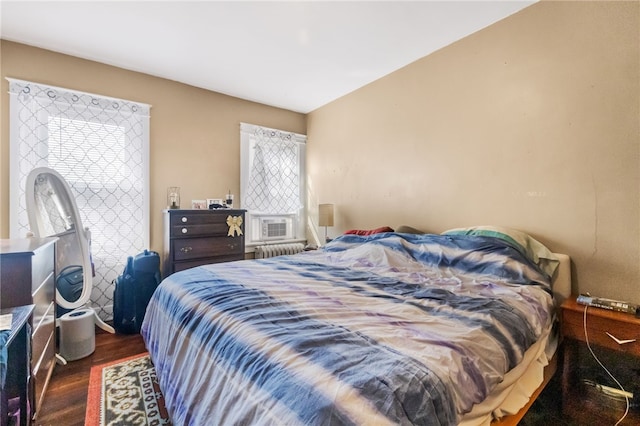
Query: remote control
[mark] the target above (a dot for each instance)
(610, 304)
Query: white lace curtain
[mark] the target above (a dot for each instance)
(274, 173)
(100, 146)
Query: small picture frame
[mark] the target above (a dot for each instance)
(199, 204)
(214, 201)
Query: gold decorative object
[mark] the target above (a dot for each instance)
(234, 223)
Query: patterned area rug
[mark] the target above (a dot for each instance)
(125, 392)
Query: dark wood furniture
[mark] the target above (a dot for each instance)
(199, 237)
(17, 369)
(27, 276)
(583, 379)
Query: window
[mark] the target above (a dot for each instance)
(101, 147)
(272, 185)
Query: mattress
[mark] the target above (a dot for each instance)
(383, 329)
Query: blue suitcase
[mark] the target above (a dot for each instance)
(133, 290)
(70, 282)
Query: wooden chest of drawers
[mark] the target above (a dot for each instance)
(27, 276)
(199, 237)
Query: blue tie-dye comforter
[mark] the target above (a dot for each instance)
(386, 329)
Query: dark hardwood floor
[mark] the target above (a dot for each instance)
(65, 402)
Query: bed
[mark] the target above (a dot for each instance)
(390, 328)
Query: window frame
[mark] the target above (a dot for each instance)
(32, 106)
(247, 141)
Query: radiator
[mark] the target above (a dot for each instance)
(271, 250)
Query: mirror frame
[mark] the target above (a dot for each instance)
(82, 235)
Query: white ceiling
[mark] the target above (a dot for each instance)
(297, 55)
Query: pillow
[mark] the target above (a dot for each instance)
(404, 229)
(370, 231)
(529, 246)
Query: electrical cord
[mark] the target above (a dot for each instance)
(586, 339)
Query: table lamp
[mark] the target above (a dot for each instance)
(325, 218)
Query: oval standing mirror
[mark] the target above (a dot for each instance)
(52, 212)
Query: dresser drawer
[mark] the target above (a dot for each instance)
(213, 229)
(199, 217)
(42, 265)
(182, 265)
(205, 223)
(42, 297)
(195, 248)
(42, 370)
(41, 335)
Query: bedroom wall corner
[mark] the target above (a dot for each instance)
(532, 123)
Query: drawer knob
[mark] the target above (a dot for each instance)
(184, 230)
(184, 219)
(186, 249)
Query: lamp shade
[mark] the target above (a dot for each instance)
(325, 215)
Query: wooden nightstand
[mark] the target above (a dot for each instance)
(583, 399)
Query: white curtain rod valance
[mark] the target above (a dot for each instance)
(253, 128)
(16, 86)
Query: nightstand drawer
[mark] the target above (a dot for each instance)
(195, 248)
(600, 322)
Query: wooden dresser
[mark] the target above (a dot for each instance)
(27, 276)
(199, 237)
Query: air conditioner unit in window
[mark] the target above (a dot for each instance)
(274, 228)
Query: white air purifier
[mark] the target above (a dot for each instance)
(77, 334)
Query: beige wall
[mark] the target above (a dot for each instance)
(194, 133)
(531, 123)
